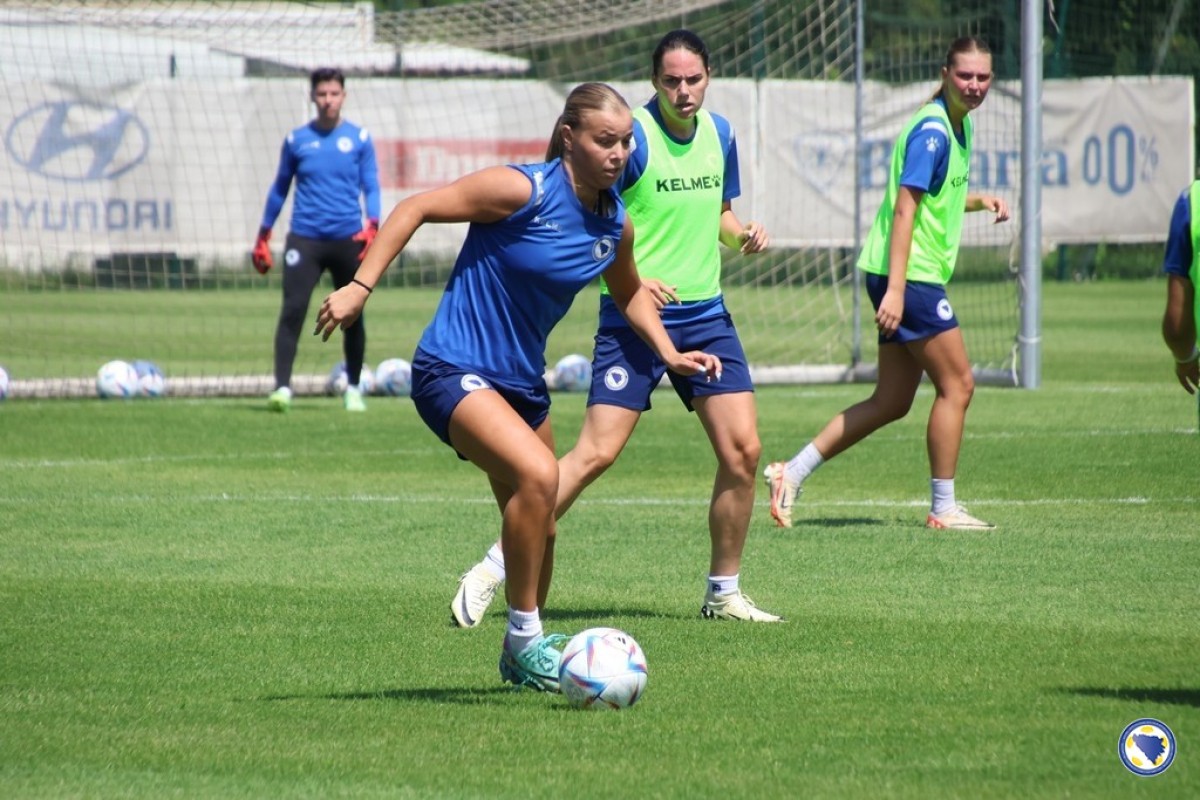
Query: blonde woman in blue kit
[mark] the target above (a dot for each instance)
(538, 234)
(908, 258)
(679, 185)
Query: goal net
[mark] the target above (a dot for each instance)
(140, 139)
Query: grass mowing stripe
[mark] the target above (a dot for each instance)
(204, 600)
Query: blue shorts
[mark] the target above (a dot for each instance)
(927, 310)
(625, 370)
(438, 387)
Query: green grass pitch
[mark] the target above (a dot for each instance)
(200, 599)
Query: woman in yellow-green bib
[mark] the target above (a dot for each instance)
(678, 186)
(908, 258)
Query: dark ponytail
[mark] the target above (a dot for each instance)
(681, 39)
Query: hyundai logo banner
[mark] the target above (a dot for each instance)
(185, 165)
(77, 141)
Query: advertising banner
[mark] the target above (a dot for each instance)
(183, 166)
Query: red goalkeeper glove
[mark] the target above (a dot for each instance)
(260, 256)
(366, 236)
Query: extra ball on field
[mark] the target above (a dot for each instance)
(602, 668)
(394, 376)
(573, 373)
(151, 382)
(339, 380)
(117, 379)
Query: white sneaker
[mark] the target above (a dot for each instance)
(783, 493)
(735, 606)
(957, 519)
(476, 588)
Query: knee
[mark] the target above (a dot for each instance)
(892, 409)
(960, 390)
(594, 460)
(292, 314)
(539, 484)
(741, 459)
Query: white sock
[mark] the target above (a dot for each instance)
(722, 584)
(493, 562)
(523, 628)
(942, 490)
(804, 464)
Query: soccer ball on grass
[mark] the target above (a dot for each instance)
(573, 373)
(117, 379)
(150, 382)
(602, 668)
(339, 380)
(394, 376)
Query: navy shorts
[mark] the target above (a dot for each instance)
(927, 310)
(625, 370)
(438, 387)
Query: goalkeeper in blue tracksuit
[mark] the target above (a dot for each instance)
(332, 162)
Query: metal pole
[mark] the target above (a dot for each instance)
(859, 40)
(1029, 339)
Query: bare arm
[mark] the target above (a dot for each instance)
(749, 238)
(489, 195)
(1179, 331)
(638, 307)
(891, 308)
(987, 202)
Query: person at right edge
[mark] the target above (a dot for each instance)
(1182, 267)
(908, 258)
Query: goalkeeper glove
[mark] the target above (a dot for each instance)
(260, 256)
(366, 236)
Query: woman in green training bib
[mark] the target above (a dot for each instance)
(678, 187)
(908, 258)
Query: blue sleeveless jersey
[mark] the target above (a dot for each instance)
(516, 278)
(331, 170)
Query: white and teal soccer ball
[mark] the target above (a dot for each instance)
(151, 381)
(117, 379)
(4, 383)
(339, 381)
(602, 668)
(394, 376)
(573, 373)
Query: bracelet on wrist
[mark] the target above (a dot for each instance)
(363, 285)
(1195, 355)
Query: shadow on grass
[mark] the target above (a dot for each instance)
(599, 615)
(1178, 697)
(465, 695)
(839, 522)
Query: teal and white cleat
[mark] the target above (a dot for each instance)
(353, 399)
(537, 665)
(280, 400)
